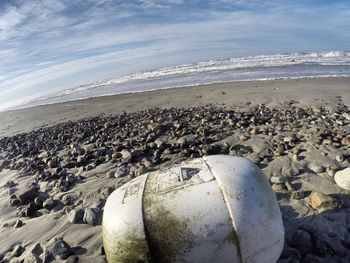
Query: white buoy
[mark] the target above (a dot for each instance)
(216, 209)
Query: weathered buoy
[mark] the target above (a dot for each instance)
(214, 209)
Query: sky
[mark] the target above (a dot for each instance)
(50, 45)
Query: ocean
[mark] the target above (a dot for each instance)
(263, 67)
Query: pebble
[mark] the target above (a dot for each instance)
(279, 179)
(301, 240)
(17, 251)
(68, 199)
(49, 203)
(339, 158)
(316, 168)
(18, 224)
(76, 216)
(60, 249)
(110, 175)
(27, 194)
(322, 202)
(10, 184)
(92, 216)
(154, 127)
(159, 143)
(121, 172)
(33, 256)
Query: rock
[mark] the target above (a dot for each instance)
(159, 143)
(291, 253)
(154, 127)
(339, 158)
(288, 139)
(26, 194)
(110, 175)
(140, 170)
(322, 202)
(17, 251)
(68, 199)
(33, 256)
(28, 210)
(254, 131)
(76, 216)
(331, 172)
(15, 202)
(147, 163)
(92, 216)
(12, 190)
(345, 141)
(121, 172)
(72, 259)
(243, 137)
(10, 184)
(342, 179)
(279, 188)
(60, 249)
(301, 240)
(51, 163)
(280, 149)
(38, 202)
(182, 141)
(327, 142)
(282, 166)
(336, 247)
(278, 179)
(316, 168)
(78, 150)
(101, 152)
(71, 178)
(126, 154)
(18, 224)
(49, 204)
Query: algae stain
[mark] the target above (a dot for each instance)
(127, 249)
(168, 236)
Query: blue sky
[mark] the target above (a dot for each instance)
(48, 45)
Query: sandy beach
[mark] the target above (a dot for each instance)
(308, 92)
(57, 175)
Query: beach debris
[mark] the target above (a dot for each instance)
(215, 184)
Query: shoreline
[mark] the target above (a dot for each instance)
(309, 92)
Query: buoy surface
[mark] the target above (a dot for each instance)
(213, 209)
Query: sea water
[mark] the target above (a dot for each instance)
(264, 67)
